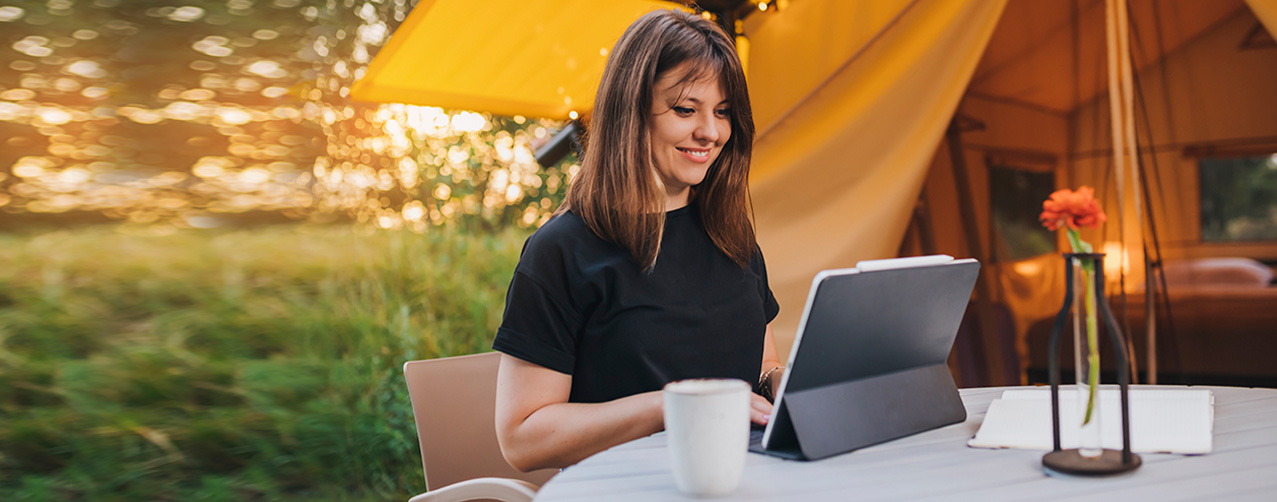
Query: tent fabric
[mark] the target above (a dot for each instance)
(837, 174)
(1121, 99)
(1031, 58)
(510, 64)
(851, 100)
(1266, 11)
(1213, 93)
(1199, 89)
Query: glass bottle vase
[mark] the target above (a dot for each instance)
(1086, 354)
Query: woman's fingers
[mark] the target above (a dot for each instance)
(759, 409)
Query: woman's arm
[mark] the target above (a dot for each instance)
(771, 359)
(538, 428)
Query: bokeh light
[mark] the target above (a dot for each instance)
(206, 113)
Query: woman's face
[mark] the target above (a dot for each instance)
(690, 124)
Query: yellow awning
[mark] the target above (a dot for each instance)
(1266, 11)
(538, 58)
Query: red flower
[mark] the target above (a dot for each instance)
(1075, 209)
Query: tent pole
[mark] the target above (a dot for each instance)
(1153, 266)
(1125, 25)
(1125, 146)
(920, 233)
(1156, 266)
(1150, 323)
(984, 302)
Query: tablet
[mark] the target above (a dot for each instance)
(872, 345)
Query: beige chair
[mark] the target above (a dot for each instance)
(454, 401)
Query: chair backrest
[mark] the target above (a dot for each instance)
(454, 404)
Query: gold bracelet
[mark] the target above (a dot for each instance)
(765, 383)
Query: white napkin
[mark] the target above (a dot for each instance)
(1162, 421)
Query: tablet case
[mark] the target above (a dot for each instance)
(870, 365)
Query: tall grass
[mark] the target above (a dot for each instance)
(230, 365)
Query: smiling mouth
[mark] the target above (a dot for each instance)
(695, 153)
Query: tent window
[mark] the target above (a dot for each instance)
(1239, 198)
(1015, 199)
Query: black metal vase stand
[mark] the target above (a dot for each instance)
(1071, 461)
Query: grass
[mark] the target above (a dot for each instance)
(230, 365)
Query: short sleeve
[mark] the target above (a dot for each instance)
(770, 307)
(538, 326)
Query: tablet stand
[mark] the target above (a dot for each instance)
(834, 419)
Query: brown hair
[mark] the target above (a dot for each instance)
(616, 191)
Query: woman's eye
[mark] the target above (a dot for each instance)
(683, 110)
(724, 113)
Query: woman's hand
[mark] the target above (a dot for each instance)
(760, 411)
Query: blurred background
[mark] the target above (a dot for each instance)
(214, 258)
(213, 263)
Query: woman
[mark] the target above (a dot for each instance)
(649, 272)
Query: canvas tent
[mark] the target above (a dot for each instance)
(853, 100)
(1040, 94)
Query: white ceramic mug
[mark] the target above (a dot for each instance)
(708, 425)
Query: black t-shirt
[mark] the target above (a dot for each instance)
(582, 306)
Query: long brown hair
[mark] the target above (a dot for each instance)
(616, 191)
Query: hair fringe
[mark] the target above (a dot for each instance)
(617, 191)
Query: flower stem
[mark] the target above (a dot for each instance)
(1092, 341)
(1092, 328)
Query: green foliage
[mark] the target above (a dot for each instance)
(230, 365)
(1239, 198)
(1015, 199)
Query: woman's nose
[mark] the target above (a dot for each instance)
(708, 128)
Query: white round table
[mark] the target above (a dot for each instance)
(938, 465)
